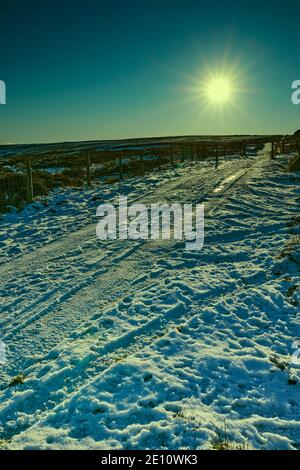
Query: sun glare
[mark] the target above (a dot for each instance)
(218, 90)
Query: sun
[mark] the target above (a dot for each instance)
(218, 90)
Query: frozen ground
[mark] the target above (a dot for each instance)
(143, 344)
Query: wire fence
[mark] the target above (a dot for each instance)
(26, 177)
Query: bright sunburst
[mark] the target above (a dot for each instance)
(218, 90)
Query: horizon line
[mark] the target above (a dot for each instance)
(127, 139)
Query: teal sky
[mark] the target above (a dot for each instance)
(121, 69)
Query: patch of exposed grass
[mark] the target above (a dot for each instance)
(279, 363)
(284, 366)
(222, 442)
(4, 444)
(13, 186)
(294, 165)
(292, 380)
(18, 380)
(290, 246)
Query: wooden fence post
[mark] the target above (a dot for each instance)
(120, 168)
(159, 163)
(217, 156)
(142, 165)
(172, 157)
(192, 154)
(29, 182)
(282, 145)
(88, 168)
(272, 150)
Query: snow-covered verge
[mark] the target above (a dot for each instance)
(145, 345)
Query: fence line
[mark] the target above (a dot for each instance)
(30, 178)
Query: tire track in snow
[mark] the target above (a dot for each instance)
(30, 314)
(36, 304)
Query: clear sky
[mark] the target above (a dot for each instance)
(93, 69)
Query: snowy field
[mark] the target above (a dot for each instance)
(143, 345)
